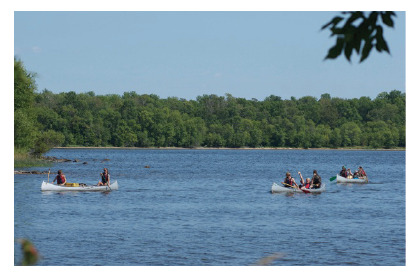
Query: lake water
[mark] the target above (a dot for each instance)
(215, 208)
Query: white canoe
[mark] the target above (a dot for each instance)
(276, 188)
(53, 187)
(345, 180)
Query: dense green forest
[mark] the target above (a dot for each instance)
(47, 119)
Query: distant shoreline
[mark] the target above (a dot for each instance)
(210, 148)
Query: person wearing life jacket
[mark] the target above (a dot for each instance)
(343, 172)
(356, 175)
(60, 178)
(105, 178)
(289, 181)
(349, 174)
(305, 184)
(361, 172)
(316, 180)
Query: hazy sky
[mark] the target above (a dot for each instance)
(187, 54)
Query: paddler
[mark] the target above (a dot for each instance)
(316, 180)
(356, 175)
(60, 178)
(361, 172)
(289, 181)
(343, 172)
(105, 178)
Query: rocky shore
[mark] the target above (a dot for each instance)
(54, 160)
(34, 172)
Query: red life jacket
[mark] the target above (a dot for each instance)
(307, 185)
(288, 181)
(60, 179)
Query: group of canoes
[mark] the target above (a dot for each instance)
(314, 184)
(62, 185)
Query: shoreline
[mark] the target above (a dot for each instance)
(211, 148)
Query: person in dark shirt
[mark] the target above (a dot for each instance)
(343, 172)
(105, 178)
(316, 180)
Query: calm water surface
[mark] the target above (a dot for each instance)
(214, 207)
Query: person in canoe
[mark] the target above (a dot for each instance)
(60, 178)
(343, 172)
(305, 184)
(361, 173)
(316, 180)
(105, 178)
(289, 181)
(349, 173)
(356, 175)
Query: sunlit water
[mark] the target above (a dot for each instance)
(214, 207)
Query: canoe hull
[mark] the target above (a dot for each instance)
(53, 187)
(345, 180)
(281, 189)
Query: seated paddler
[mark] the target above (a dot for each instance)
(289, 181)
(60, 178)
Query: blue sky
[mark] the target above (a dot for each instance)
(187, 54)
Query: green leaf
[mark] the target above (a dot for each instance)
(336, 50)
(350, 34)
(333, 22)
(386, 17)
(354, 16)
(372, 18)
(336, 31)
(383, 45)
(380, 42)
(366, 49)
(356, 44)
(348, 51)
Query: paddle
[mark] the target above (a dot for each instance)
(290, 185)
(297, 187)
(301, 178)
(333, 178)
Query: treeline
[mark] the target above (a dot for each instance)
(134, 120)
